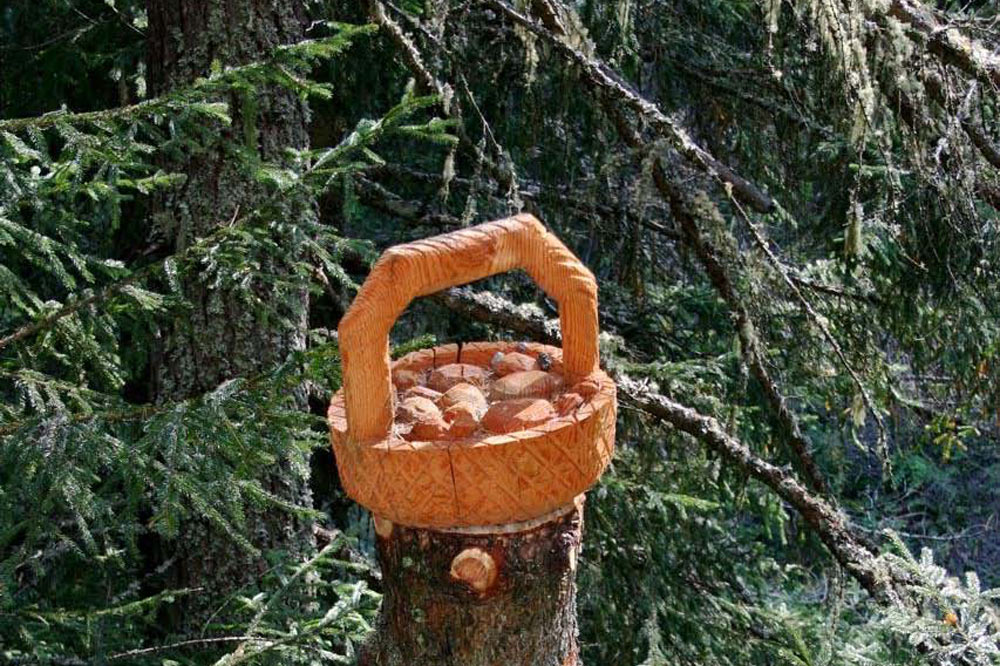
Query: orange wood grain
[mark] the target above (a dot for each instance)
(473, 481)
(405, 272)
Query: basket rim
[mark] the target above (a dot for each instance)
(448, 353)
(487, 480)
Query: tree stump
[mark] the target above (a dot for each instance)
(504, 595)
(479, 523)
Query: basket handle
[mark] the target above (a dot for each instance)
(405, 272)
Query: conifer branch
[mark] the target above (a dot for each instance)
(820, 323)
(831, 526)
(194, 642)
(943, 40)
(414, 61)
(306, 49)
(686, 212)
(610, 84)
(689, 211)
(74, 305)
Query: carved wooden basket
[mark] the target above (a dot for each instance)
(484, 479)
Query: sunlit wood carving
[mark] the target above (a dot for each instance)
(439, 439)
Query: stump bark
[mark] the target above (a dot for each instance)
(502, 595)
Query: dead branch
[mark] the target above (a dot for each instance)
(943, 40)
(832, 527)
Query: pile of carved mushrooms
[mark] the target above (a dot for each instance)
(518, 391)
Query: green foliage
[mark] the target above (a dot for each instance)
(90, 477)
(876, 304)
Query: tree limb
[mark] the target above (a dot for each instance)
(686, 211)
(832, 527)
(945, 41)
(609, 83)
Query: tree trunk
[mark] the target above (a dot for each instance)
(504, 595)
(223, 334)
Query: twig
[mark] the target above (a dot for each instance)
(452, 107)
(833, 528)
(182, 644)
(943, 40)
(820, 322)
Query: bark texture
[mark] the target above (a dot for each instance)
(477, 597)
(223, 334)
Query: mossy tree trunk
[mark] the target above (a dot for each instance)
(479, 596)
(223, 335)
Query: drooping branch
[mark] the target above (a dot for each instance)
(819, 322)
(414, 61)
(977, 135)
(908, 112)
(943, 40)
(832, 527)
(687, 212)
(409, 53)
(608, 83)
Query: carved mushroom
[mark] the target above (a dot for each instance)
(515, 362)
(423, 392)
(446, 376)
(529, 384)
(423, 417)
(462, 420)
(404, 379)
(518, 414)
(464, 393)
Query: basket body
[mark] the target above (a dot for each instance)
(478, 481)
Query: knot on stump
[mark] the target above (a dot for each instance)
(475, 568)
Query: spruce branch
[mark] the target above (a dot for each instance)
(889, 584)
(689, 211)
(275, 67)
(820, 322)
(367, 134)
(609, 83)
(941, 39)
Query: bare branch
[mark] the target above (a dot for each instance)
(820, 322)
(832, 527)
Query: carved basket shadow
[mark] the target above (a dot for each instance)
(477, 481)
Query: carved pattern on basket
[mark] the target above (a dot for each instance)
(494, 479)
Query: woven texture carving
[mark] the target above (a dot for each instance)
(486, 480)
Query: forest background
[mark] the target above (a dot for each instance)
(791, 207)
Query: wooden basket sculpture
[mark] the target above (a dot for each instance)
(479, 480)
